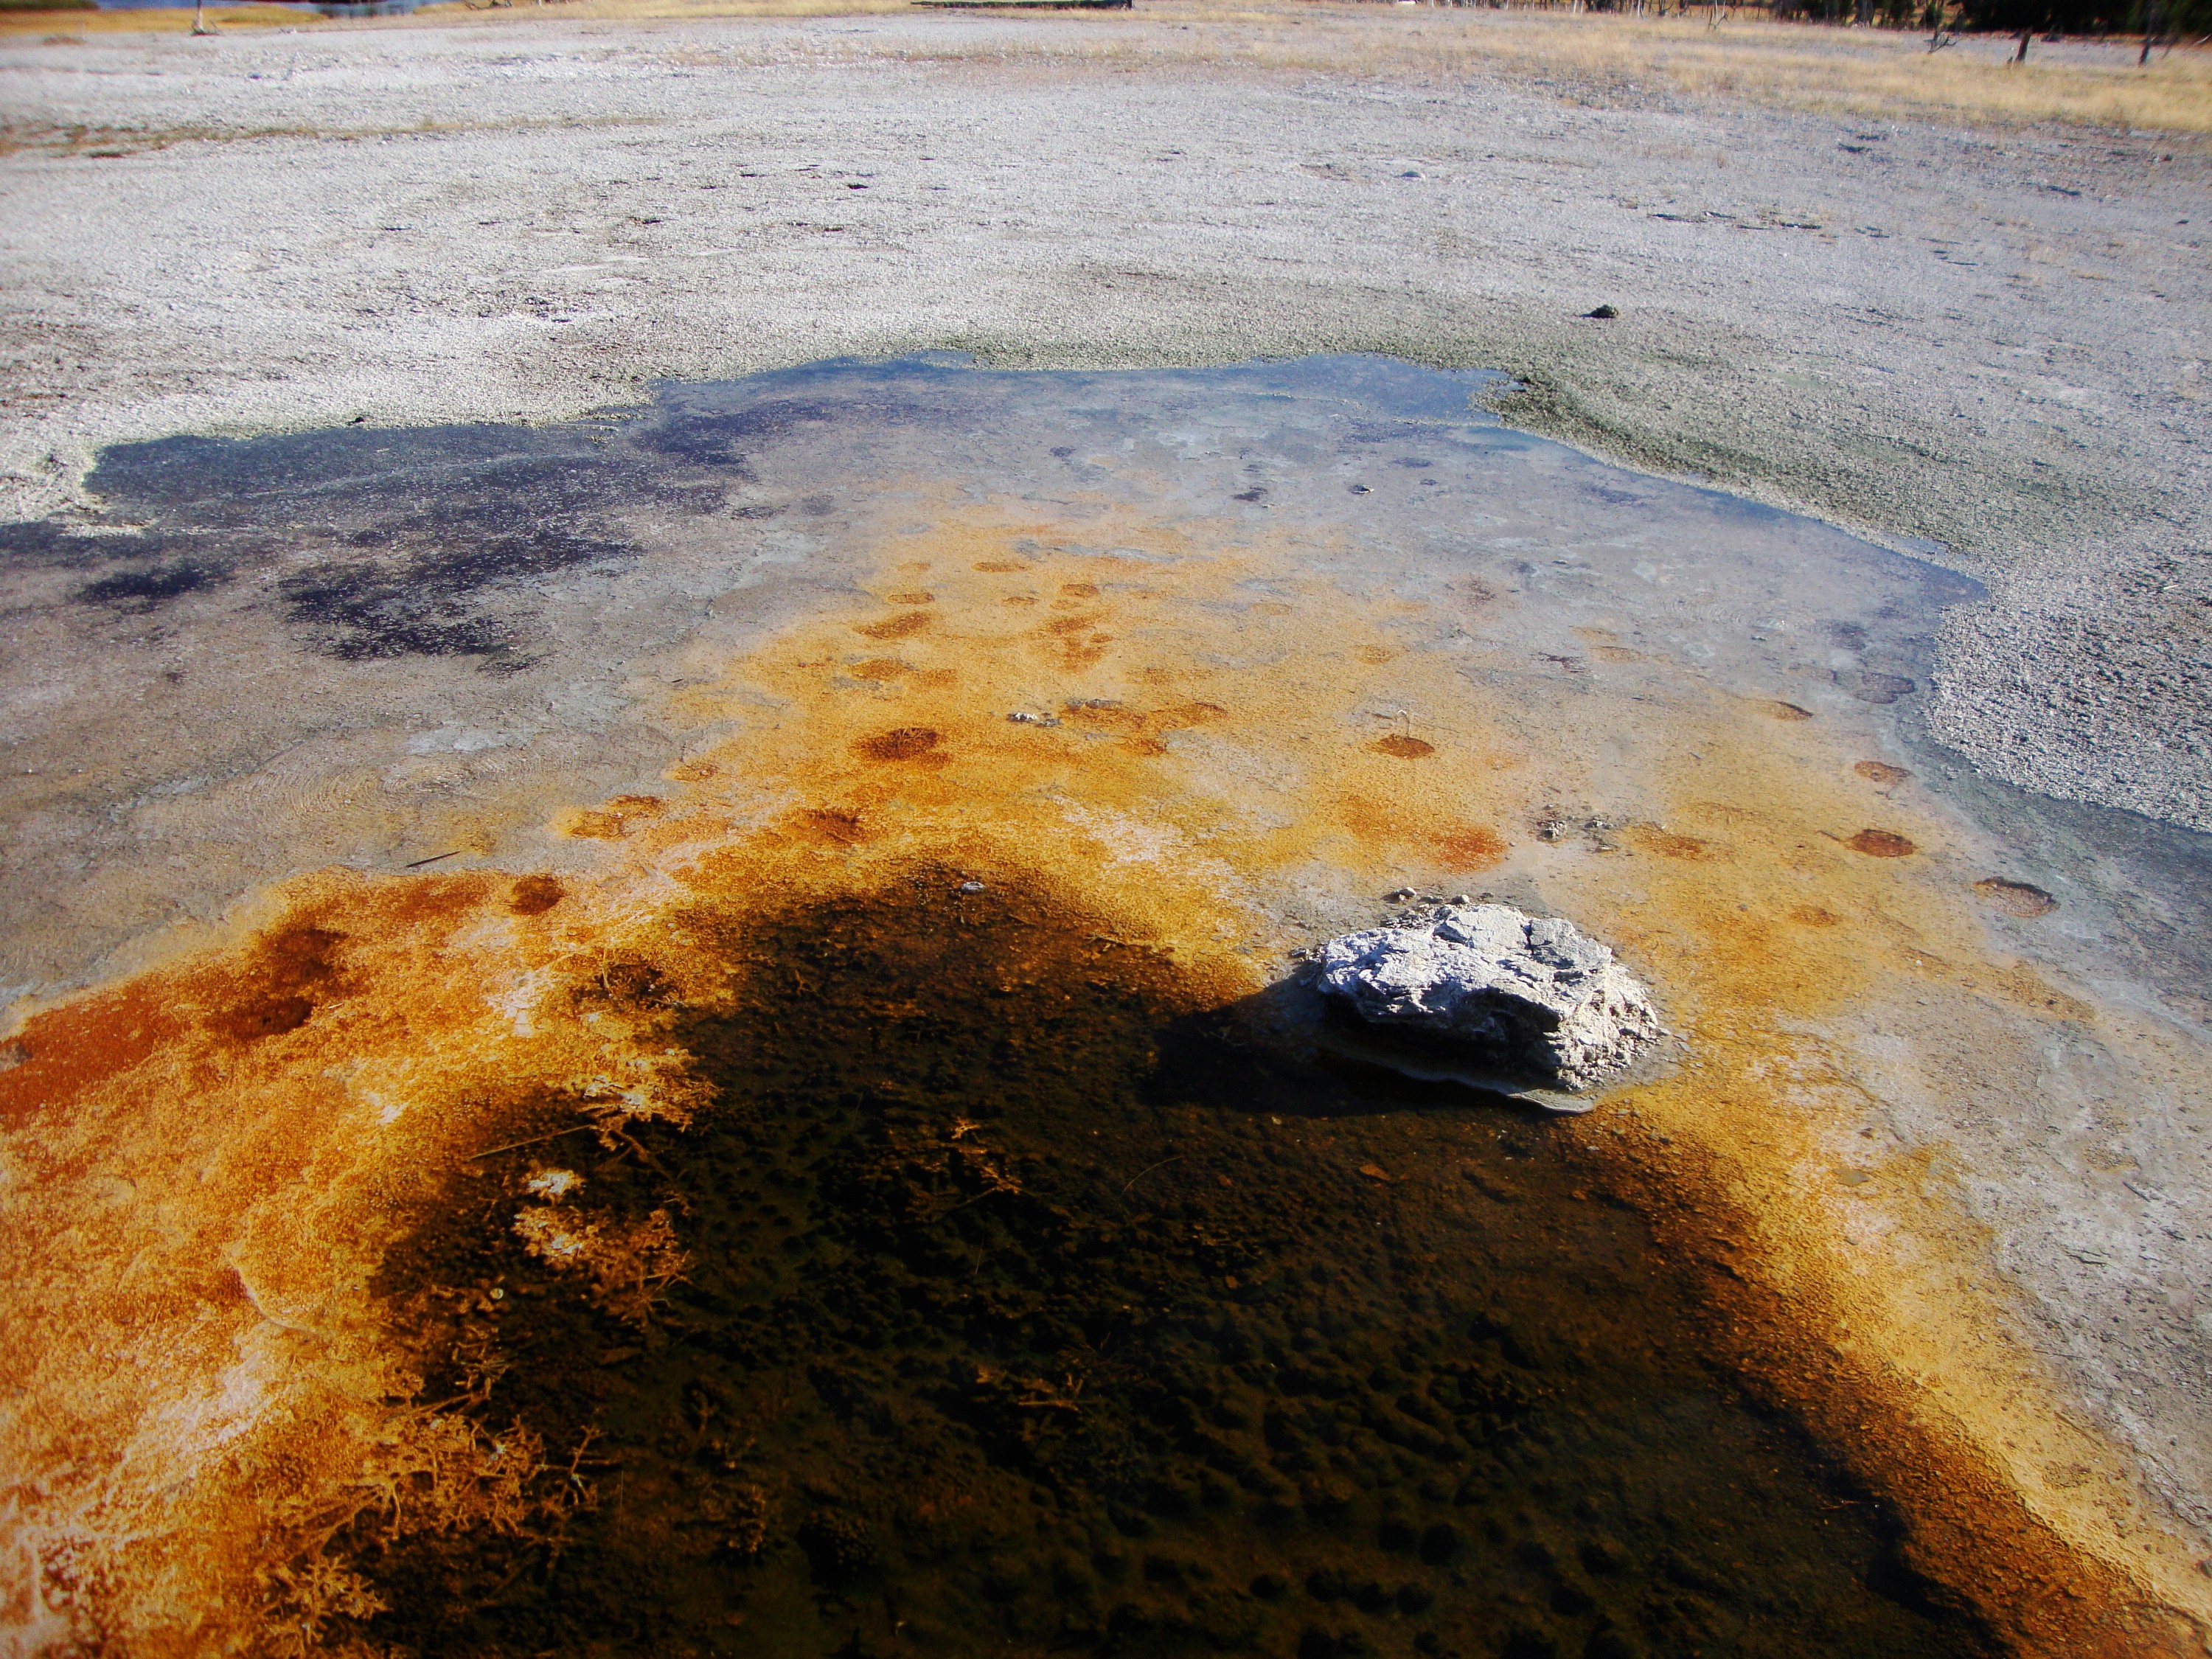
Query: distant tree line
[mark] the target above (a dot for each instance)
(2169, 19)
(2164, 20)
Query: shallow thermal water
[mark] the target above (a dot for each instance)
(750, 1105)
(1030, 1307)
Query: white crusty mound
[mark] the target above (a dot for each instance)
(1532, 993)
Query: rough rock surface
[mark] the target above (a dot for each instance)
(1531, 993)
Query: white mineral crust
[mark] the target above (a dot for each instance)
(1531, 993)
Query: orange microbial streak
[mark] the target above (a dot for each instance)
(1213, 757)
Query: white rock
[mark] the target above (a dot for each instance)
(1533, 994)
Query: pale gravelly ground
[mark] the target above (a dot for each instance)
(1993, 340)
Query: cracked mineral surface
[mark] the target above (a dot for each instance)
(1534, 995)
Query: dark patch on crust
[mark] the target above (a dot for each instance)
(291, 972)
(433, 605)
(533, 896)
(43, 542)
(901, 742)
(723, 440)
(139, 592)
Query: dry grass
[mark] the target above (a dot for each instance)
(1860, 71)
(1601, 56)
(60, 27)
(1865, 72)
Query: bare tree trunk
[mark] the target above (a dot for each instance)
(200, 18)
(2150, 31)
(2020, 56)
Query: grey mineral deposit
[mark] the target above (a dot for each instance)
(1528, 994)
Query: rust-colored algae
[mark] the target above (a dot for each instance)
(905, 626)
(1881, 844)
(1466, 848)
(1399, 746)
(830, 826)
(70, 1052)
(878, 668)
(264, 1240)
(1667, 845)
(901, 742)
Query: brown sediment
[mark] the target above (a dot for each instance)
(1670, 846)
(533, 896)
(219, 1156)
(1401, 747)
(291, 973)
(2016, 898)
(903, 627)
(1881, 844)
(830, 826)
(1467, 847)
(901, 742)
(878, 668)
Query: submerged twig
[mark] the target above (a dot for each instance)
(515, 1146)
(1148, 1169)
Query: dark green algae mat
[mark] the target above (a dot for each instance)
(1032, 1309)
